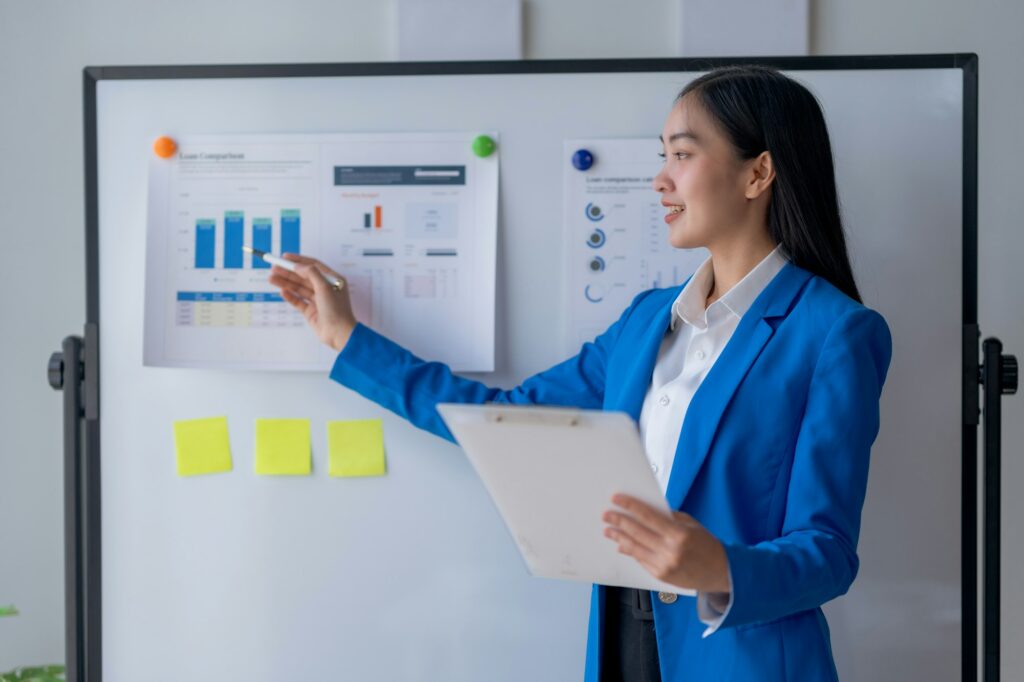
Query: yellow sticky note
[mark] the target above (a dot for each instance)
(202, 446)
(356, 447)
(282, 447)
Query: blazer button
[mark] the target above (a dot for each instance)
(667, 597)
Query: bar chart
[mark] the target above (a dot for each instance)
(374, 219)
(226, 290)
(228, 235)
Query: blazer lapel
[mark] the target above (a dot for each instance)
(631, 397)
(712, 397)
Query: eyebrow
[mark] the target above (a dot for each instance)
(681, 134)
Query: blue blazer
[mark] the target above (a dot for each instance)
(772, 458)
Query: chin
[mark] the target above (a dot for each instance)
(685, 241)
(687, 235)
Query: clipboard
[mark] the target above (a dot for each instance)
(551, 472)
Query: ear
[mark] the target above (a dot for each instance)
(761, 175)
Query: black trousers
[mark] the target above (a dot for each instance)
(630, 651)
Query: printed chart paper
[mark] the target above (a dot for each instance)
(616, 236)
(409, 219)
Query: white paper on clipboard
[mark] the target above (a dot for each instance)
(551, 472)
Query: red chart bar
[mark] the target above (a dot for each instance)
(377, 210)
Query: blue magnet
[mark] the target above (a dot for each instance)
(582, 160)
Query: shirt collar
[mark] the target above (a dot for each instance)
(689, 305)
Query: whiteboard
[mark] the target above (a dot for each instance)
(413, 576)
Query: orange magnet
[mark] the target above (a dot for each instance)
(164, 147)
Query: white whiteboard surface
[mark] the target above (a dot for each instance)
(413, 576)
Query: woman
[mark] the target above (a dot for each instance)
(756, 387)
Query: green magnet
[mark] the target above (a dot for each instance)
(483, 146)
(8, 611)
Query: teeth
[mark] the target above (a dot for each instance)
(675, 209)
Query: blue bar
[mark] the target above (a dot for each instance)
(206, 239)
(230, 296)
(290, 231)
(366, 220)
(262, 240)
(234, 236)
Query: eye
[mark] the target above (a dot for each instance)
(678, 155)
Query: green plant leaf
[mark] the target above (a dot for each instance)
(37, 673)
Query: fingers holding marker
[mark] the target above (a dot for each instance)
(311, 277)
(329, 274)
(298, 258)
(289, 264)
(317, 292)
(299, 292)
(285, 274)
(297, 302)
(283, 279)
(317, 274)
(292, 296)
(301, 260)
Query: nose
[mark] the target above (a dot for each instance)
(661, 182)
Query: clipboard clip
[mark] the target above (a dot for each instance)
(547, 417)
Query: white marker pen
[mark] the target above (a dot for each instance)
(336, 284)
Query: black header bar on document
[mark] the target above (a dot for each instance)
(399, 175)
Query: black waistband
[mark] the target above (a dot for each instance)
(639, 601)
(630, 651)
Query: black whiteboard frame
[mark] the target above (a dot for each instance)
(83, 589)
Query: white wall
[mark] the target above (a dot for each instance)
(44, 44)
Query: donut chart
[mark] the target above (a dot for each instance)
(594, 293)
(596, 239)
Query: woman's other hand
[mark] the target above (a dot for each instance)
(327, 310)
(675, 549)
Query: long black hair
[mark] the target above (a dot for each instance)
(759, 109)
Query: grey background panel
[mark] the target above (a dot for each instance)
(412, 576)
